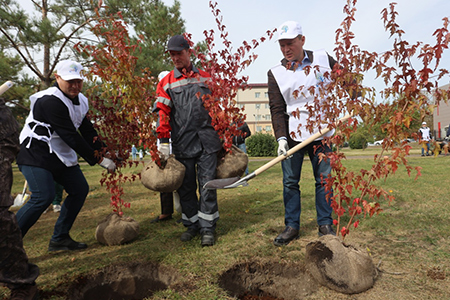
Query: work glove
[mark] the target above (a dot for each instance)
(108, 164)
(164, 150)
(282, 147)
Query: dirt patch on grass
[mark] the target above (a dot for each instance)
(125, 281)
(268, 280)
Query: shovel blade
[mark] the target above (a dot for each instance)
(18, 201)
(220, 183)
(228, 183)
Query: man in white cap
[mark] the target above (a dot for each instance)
(290, 127)
(55, 132)
(425, 137)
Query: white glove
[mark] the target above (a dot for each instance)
(282, 147)
(108, 164)
(164, 150)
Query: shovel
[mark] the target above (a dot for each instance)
(233, 182)
(21, 198)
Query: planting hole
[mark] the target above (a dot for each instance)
(268, 281)
(126, 282)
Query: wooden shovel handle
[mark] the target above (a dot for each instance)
(299, 146)
(4, 87)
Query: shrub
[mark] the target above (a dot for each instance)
(358, 140)
(261, 144)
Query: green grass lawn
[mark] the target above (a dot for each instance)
(407, 240)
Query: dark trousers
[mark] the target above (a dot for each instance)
(198, 213)
(42, 186)
(166, 203)
(15, 270)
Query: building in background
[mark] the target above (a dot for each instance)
(441, 118)
(255, 100)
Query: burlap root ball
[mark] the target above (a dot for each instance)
(231, 164)
(340, 267)
(164, 180)
(116, 230)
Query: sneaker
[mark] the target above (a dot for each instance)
(66, 244)
(56, 208)
(207, 238)
(326, 229)
(25, 292)
(189, 234)
(289, 234)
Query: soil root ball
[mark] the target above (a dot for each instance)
(116, 230)
(340, 267)
(164, 180)
(231, 164)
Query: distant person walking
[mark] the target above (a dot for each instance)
(133, 152)
(425, 138)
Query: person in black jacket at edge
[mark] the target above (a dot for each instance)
(16, 272)
(55, 131)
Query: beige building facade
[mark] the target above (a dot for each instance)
(441, 118)
(255, 101)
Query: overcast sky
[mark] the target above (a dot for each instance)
(250, 19)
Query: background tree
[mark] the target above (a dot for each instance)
(44, 37)
(17, 96)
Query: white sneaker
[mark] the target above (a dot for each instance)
(56, 208)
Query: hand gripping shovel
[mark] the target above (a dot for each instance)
(229, 183)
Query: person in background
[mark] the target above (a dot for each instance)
(56, 131)
(16, 272)
(166, 199)
(424, 138)
(59, 189)
(283, 79)
(183, 119)
(239, 140)
(133, 152)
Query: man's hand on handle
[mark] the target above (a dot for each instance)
(283, 147)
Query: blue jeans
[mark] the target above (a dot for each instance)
(427, 145)
(292, 169)
(244, 149)
(41, 184)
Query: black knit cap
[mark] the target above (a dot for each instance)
(177, 43)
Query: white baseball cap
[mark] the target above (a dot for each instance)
(69, 70)
(289, 30)
(424, 123)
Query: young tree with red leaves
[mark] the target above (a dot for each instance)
(125, 100)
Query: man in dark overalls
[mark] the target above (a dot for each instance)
(15, 271)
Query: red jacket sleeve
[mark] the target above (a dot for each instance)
(163, 109)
